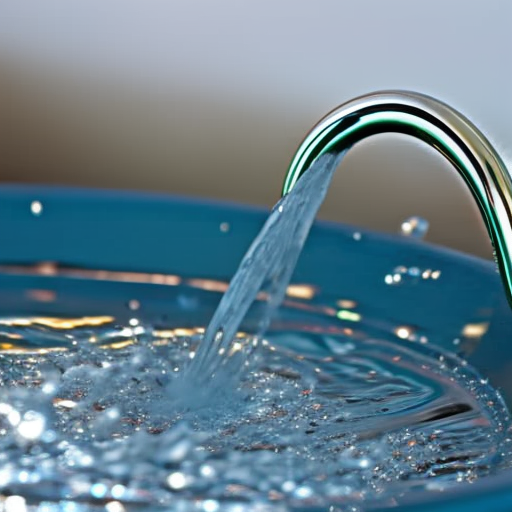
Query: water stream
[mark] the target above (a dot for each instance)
(264, 272)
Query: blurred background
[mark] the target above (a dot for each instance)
(211, 99)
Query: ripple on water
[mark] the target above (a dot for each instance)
(102, 424)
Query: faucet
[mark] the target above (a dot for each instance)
(440, 126)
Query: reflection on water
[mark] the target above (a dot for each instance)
(299, 296)
(298, 291)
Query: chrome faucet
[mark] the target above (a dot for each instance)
(441, 127)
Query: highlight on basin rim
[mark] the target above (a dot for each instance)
(442, 128)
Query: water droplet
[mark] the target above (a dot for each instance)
(177, 451)
(106, 422)
(134, 304)
(211, 506)
(414, 227)
(207, 471)
(36, 208)
(114, 506)
(15, 504)
(99, 490)
(31, 427)
(49, 436)
(23, 477)
(404, 332)
(288, 486)
(177, 480)
(224, 227)
(303, 492)
(364, 463)
(118, 491)
(357, 236)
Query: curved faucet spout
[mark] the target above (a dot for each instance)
(441, 127)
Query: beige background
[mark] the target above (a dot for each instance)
(212, 98)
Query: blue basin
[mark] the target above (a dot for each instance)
(168, 247)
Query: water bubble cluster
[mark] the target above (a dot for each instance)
(103, 426)
(402, 275)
